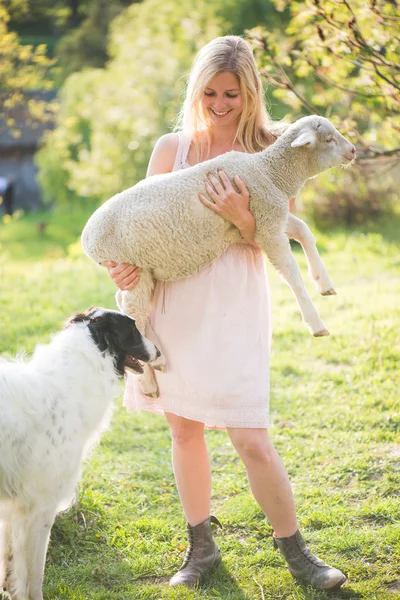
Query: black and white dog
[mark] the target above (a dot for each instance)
(53, 409)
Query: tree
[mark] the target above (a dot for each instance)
(111, 117)
(340, 59)
(24, 70)
(87, 45)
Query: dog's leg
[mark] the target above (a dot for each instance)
(38, 535)
(6, 556)
(17, 576)
(299, 231)
(279, 253)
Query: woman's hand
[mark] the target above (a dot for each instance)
(124, 276)
(230, 204)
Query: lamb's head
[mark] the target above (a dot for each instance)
(323, 145)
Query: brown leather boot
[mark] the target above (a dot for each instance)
(307, 567)
(202, 554)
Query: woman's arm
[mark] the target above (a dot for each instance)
(162, 160)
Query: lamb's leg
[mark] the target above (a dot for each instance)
(299, 231)
(279, 253)
(136, 304)
(38, 535)
(148, 382)
(159, 363)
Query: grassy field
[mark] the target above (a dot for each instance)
(336, 412)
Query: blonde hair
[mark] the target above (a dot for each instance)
(233, 54)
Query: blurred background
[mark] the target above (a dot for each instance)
(87, 87)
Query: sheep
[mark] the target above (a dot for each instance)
(161, 226)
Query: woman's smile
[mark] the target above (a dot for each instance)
(222, 98)
(221, 113)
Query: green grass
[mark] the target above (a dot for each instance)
(340, 395)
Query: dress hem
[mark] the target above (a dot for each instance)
(217, 424)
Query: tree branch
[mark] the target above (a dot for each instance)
(385, 78)
(286, 81)
(359, 41)
(329, 81)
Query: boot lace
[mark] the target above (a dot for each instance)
(189, 550)
(308, 555)
(191, 545)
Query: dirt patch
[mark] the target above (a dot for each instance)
(394, 587)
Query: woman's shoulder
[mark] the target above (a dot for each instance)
(167, 142)
(163, 156)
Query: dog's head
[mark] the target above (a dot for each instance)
(117, 335)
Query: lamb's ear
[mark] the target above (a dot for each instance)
(306, 137)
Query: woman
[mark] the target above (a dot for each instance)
(215, 327)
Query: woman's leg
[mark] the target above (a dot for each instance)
(191, 465)
(270, 485)
(268, 478)
(193, 478)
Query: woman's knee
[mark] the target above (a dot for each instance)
(253, 445)
(184, 431)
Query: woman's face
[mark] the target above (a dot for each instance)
(222, 99)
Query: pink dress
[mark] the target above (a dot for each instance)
(215, 332)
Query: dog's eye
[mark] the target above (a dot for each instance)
(329, 140)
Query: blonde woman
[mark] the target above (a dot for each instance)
(215, 327)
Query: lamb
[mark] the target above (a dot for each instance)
(161, 226)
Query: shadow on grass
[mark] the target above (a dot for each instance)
(219, 581)
(387, 226)
(95, 565)
(343, 593)
(222, 582)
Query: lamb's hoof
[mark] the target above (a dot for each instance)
(321, 333)
(161, 368)
(153, 395)
(330, 292)
(149, 388)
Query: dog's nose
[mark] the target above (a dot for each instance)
(158, 353)
(353, 150)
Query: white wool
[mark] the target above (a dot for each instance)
(53, 409)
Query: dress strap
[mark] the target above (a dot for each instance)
(182, 151)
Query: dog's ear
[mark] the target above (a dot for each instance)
(82, 317)
(89, 312)
(76, 318)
